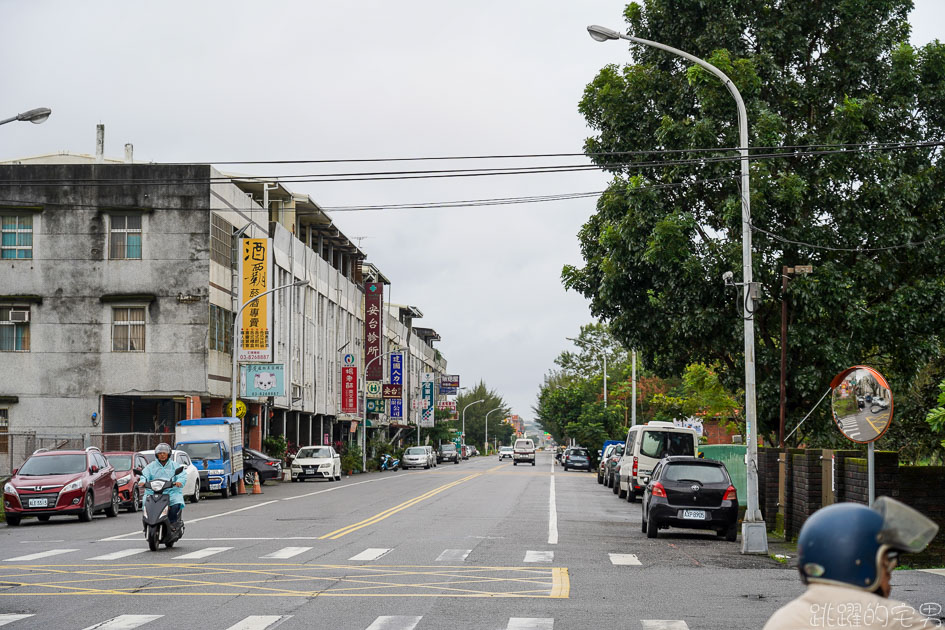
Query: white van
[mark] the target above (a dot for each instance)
(646, 445)
(523, 451)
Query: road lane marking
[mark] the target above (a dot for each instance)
(124, 622)
(394, 623)
(5, 619)
(344, 531)
(935, 571)
(260, 622)
(552, 511)
(539, 556)
(530, 623)
(624, 559)
(202, 553)
(117, 555)
(664, 624)
(333, 488)
(196, 520)
(41, 554)
(370, 554)
(453, 555)
(286, 552)
(560, 584)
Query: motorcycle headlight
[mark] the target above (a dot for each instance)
(157, 485)
(75, 485)
(8, 487)
(124, 480)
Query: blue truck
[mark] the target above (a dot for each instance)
(215, 446)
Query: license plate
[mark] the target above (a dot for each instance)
(694, 514)
(38, 502)
(309, 471)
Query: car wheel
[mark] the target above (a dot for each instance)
(294, 479)
(643, 523)
(248, 476)
(135, 500)
(195, 497)
(112, 510)
(621, 493)
(13, 520)
(565, 468)
(43, 519)
(600, 478)
(613, 485)
(533, 462)
(88, 509)
(515, 463)
(631, 496)
(731, 533)
(225, 492)
(651, 528)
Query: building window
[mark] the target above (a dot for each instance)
(4, 430)
(221, 329)
(16, 236)
(221, 240)
(124, 237)
(127, 329)
(14, 328)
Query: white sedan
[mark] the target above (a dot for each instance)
(316, 462)
(192, 486)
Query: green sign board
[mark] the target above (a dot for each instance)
(375, 405)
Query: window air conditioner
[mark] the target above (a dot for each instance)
(19, 316)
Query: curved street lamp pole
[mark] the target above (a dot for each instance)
(35, 116)
(754, 532)
(485, 443)
(364, 406)
(463, 440)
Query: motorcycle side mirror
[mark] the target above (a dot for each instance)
(179, 470)
(137, 471)
(93, 469)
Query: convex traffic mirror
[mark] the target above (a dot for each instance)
(862, 404)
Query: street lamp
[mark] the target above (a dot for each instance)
(364, 406)
(754, 533)
(463, 440)
(604, 354)
(35, 116)
(485, 442)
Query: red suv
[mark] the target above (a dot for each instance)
(53, 483)
(124, 463)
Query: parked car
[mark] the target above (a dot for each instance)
(693, 493)
(58, 483)
(505, 451)
(416, 457)
(181, 458)
(447, 452)
(603, 462)
(256, 462)
(612, 467)
(316, 462)
(523, 451)
(645, 446)
(576, 458)
(127, 481)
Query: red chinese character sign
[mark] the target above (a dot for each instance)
(255, 342)
(349, 390)
(373, 330)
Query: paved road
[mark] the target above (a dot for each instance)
(475, 545)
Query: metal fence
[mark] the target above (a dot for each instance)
(733, 456)
(15, 448)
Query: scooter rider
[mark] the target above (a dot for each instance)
(846, 555)
(163, 468)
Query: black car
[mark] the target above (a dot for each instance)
(576, 458)
(447, 453)
(609, 466)
(692, 493)
(256, 462)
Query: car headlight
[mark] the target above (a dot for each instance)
(124, 480)
(157, 485)
(294, 467)
(328, 465)
(75, 485)
(8, 487)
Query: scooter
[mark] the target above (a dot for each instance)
(389, 463)
(157, 528)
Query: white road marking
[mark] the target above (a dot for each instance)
(395, 623)
(5, 619)
(116, 555)
(287, 552)
(935, 571)
(196, 520)
(124, 622)
(530, 623)
(43, 542)
(625, 559)
(333, 488)
(260, 622)
(202, 553)
(664, 624)
(552, 510)
(370, 554)
(454, 555)
(41, 554)
(539, 556)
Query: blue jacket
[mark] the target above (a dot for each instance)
(155, 470)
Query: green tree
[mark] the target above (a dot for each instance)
(668, 226)
(476, 416)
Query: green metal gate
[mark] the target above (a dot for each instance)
(733, 456)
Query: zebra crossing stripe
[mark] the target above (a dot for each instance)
(530, 623)
(625, 559)
(664, 624)
(286, 552)
(394, 623)
(539, 556)
(202, 553)
(117, 555)
(40, 555)
(260, 622)
(124, 622)
(454, 555)
(369, 554)
(5, 619)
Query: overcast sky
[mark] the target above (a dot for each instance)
(222, 81)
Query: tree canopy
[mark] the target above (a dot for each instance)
(846, 121)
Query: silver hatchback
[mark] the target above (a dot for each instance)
(416, 457)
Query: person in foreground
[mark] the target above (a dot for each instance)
(846, 555)
(163, 468)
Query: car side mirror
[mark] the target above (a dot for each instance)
(93, 469)
(645, 480)
(179, 470)
(15, 470)
(137, 471)
(600, 453)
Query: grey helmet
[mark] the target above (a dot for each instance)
(163, 447)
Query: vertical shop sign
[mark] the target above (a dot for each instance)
(426, 396)
(396, 408)
(255, 341)
(397, 369)
(373, 330)
(349, 390)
